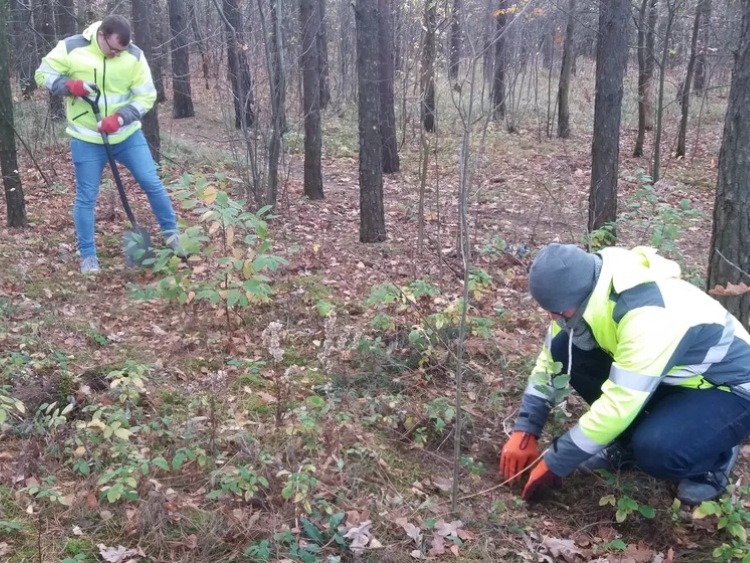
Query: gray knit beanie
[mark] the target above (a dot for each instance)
(562, 276)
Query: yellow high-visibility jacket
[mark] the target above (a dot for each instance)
(125, 83)
(659, 330)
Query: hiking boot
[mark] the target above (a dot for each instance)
(90, 266)
(613, 458)
(709, 486)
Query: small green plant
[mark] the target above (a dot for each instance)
(300, 486)
(732, 516)
(626, 506)
(243, 482)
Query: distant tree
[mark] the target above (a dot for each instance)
(309, 22)
(454, 49)
(729, 260)
(142, 30)
(427, 71)
(387, 107)
(45, 28)
(498, 82)
(182, 102)
(646, 23)
(14, 200)
(277, 85)
(699, 82)
(611, 60)
(200, 42)
(371, 210)
(688, 83)
(239, 68)
(563, 120)
(23, 40)
(325, 89)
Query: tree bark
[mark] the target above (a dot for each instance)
(454, 54)
(387, 103)
(687, 85)
(159, 57)
(563, 120)
(23, 45)
(14, 199)
(201, 43)
(310, 22)
(45, 19)
(656, 166)
(731, 223)
(142, 31)
(498, 82)
(239, 68)
(427, 71)
(182, 96)
(278, 100)
(371, 210)
(611, 59)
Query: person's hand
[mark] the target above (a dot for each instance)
(541, 478)
(518, 453)
(79, 88)
(110, 124)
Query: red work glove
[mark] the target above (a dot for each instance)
(541, 478)
(111, 123)
(518, 453)
(79, 88)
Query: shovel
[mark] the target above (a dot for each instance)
(136, 242)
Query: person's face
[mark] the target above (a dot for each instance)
(563, 315)
(110, 46)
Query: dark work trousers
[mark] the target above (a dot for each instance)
(680, 433)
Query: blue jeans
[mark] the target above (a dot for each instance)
(90, 159)
(680, 433)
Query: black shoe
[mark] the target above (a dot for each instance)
(709, 486)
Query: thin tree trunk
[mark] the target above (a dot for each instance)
(563, 120)
(427, 71)
(498, 83)
(611, 60)
(14, 199)
(730, 240)
(371, 210)
(387, 104)
(310, 22)
(687, 85)
(278, 99)
(655, 172)
(182, 96)
(699, 81)
(142, 30)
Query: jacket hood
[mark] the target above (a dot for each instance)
(640, 265)
(90, 32)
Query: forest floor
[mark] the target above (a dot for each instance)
(206, 433)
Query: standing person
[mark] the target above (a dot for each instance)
(104, 56)
(664, 367)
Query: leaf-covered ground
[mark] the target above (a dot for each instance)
(319, 425)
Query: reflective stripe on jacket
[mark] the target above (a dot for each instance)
(659, 330)
(125, 83)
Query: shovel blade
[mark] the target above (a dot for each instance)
(136, 245)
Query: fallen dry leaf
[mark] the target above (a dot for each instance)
(360, 535)
(437, 547)
(4, 548)
(119, 554)
(447, 529)
(562, 548)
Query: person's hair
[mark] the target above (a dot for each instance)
(116, 25)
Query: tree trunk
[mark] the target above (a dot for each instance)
(427, 71)
(687, 85)
(278, 100)
(655, 168)
(142, 31)
(159, 56)
(387, 104)
(201, 42)
(239, 69)
(371, 211)
(65, 16)
(611, 59)
(699, 81)
(498, 82)
(309, 11)
(23, 46)
(454, 54)
(45, 24)
(14, 199)
(731, 225)
(563, 120)
(182, 96)
(646, 22)
(322, 39)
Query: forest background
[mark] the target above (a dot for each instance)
(331, 375)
